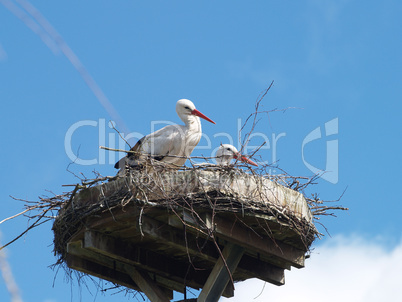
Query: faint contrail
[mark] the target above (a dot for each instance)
(9, 281)
(40, 26)
(31, 24)
(3, 54)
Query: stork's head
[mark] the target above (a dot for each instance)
(228, 152)
(186, 108)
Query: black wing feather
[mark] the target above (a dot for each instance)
(122, 162)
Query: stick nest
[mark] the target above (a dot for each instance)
(258, 201)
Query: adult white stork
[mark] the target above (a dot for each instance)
(171, 144)
(227, 152)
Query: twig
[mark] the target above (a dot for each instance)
(16, 215)
(129, 146)
(36, 223)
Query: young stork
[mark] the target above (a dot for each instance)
(227, 152)
(171, 144)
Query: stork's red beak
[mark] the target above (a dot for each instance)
(245, 159)
(199, 114)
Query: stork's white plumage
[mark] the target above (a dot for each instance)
(227, 152)
(171, 144)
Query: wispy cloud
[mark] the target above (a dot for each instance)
(342, 269)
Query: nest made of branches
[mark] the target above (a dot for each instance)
(255, 199)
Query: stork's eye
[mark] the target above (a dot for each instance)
(228, 149)
(188, 108)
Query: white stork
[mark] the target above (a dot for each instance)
(172, 144)
(227, 152)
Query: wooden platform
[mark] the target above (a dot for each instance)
(190, 232)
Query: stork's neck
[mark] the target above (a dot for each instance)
(224, 160)
(192, 123)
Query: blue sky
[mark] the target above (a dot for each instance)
(331, 59)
